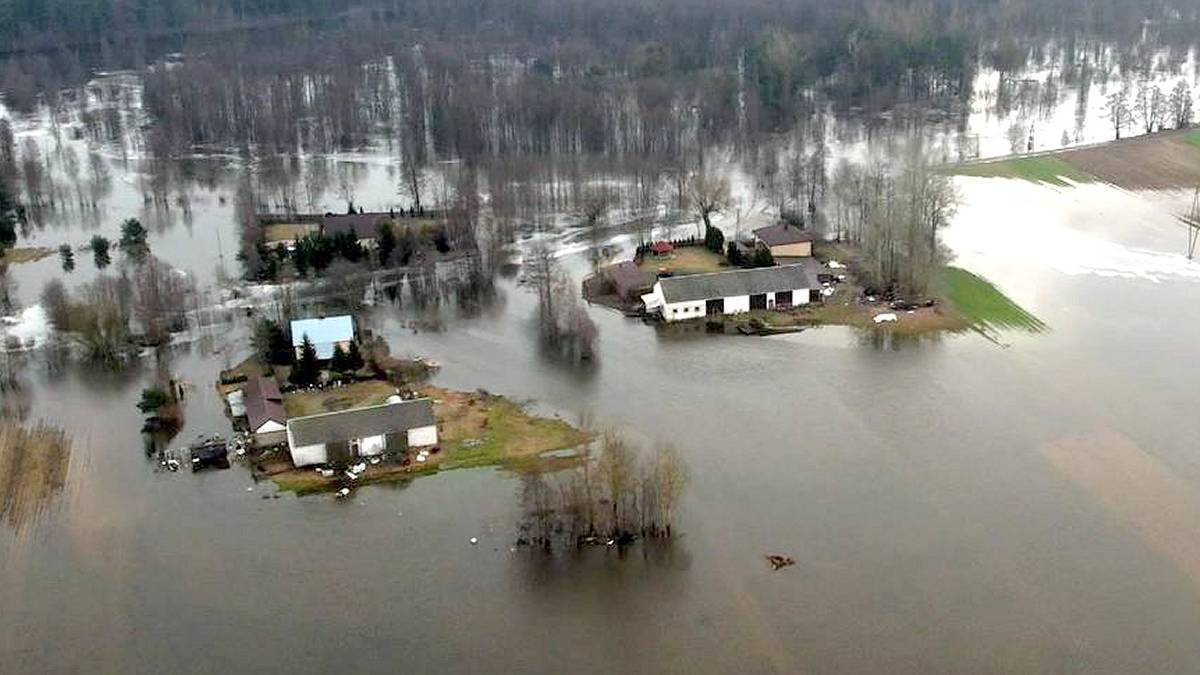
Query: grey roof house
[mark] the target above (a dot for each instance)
(362, 432)
(719, 293)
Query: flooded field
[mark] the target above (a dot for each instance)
(953, 504)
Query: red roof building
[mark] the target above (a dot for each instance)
(662, 248)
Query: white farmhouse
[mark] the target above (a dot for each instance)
(735, 292)
(342, 437)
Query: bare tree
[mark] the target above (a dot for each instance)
(8, 290)
(1118, 112)
(1180, 105)
(708, 193)
(617, 470)
(670, 478)
(1150, 106)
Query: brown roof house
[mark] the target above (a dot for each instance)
(264, 411)
(785, 241)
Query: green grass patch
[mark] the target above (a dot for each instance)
(983, 305)
(1041, 169)
(686, 260)
(484, 430)
(1193, 137)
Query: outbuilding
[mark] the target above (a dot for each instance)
(325, 333)
(629, 280)
(264, 411)
(736, 292)
(342, 437)
(785, 241)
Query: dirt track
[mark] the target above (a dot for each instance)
(1159, 162)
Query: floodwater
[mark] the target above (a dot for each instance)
(952, 504)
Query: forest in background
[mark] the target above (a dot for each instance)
(549, 107)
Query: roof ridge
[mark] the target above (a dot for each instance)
(368, 407)
(748, 269)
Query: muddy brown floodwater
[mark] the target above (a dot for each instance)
(952, 505)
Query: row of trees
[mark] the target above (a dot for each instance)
(618, 493)
(893, 212)
(1151, 108)
(114, 315)
(563, 322)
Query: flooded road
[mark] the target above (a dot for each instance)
(952, 504)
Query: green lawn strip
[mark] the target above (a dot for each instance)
(1041, 169)
(1193, 137)
(984, 305)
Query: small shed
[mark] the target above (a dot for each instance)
(629, 280)
(785, 241)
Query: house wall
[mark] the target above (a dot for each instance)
(309, 455)
(270, 426)
(683, 311)
(799, 297)
(799, 250)
(270, 433)
(737, 305)
(372, 446)
(422, 437)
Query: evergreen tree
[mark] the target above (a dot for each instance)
(307, 370)
(733, 253)
(100, 246)
(339, 362)
(386, 242)
(271, 344)
(714, 239)
(153, 399)
(763, 257)
(354, 358)
(8, 222)
(133, 239)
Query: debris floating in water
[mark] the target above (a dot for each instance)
(474, 540)
(343, 493)
(779, 562)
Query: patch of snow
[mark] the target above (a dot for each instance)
(31, 327)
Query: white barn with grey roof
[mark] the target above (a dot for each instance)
(361, 432)
(735, 292)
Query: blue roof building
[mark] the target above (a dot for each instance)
(324, 333)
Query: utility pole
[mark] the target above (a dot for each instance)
(1192, 222)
